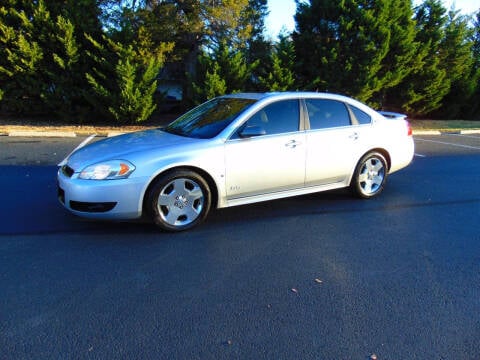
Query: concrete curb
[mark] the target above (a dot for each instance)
(427, 132)
(440, 132)
(469, 132)
(116, 133)
(59, 133)
(32, 133)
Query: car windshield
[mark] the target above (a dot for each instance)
(209, 119)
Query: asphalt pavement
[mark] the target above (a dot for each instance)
(322, 276)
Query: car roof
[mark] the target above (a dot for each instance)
(274, 96)
(287, 94)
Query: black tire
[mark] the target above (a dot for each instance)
(178, 200)
(370, 176)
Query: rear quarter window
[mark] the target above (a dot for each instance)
(361, 116)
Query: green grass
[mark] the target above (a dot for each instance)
(446, 125)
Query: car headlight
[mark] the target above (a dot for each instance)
(108, 170)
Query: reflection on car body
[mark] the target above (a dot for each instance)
(233, 150)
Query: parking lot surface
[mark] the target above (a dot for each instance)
(322, 276)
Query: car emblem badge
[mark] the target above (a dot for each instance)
(181, 201)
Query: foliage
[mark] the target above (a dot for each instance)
(41, 61)
(355, 47)
(457, 60)
(258, 48)
(472, 106)
(124, 78)
(20, 59)
(402, 56)
(281, 76)
(224, 71)
(423, 91)
(79, 59)
(225, 23)
(213, 85)
(36, 48)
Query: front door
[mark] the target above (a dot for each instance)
(271, 161)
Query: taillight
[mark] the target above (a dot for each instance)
(409, 129)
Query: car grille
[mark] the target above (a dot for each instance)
(91, 207)
(67, 171)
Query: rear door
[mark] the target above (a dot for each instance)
(334, 140)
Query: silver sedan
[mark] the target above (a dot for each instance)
(233, 150)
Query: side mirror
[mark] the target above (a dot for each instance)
(252, 131)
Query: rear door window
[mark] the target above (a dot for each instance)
(325, 114)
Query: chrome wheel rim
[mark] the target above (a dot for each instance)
(180, 202)
(371, 176)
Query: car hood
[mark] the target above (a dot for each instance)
(119, 147)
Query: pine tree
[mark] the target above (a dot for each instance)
(124, 78)
(258, 48)
(458, 62)
(225, 70)
(213, 85)
(472, 108)
(180, 23)
(225, 24)
(353, 46)
(423, 90)
(44, 62)
(402, 57)
(20, 61)
(280, 76)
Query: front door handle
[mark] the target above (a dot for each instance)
(293, 144)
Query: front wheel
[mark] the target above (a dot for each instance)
(179, 200)
(370, 176)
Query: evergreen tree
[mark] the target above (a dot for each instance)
(280, 76)
(43, 67)
(33, 54)
(423, 90)
(225, 24)
(22, 61)
(347, 46)
(124, 78)
(259, 49)
(224, 70)
(179, 23)
(458, 62)
(234, 68)
(472, 108)
(213, 85)
(402, 57)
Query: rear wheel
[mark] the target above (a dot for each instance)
(370, 176)
(179, 200)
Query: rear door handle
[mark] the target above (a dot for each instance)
(354, 136)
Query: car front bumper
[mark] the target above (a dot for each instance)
(102, 199)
